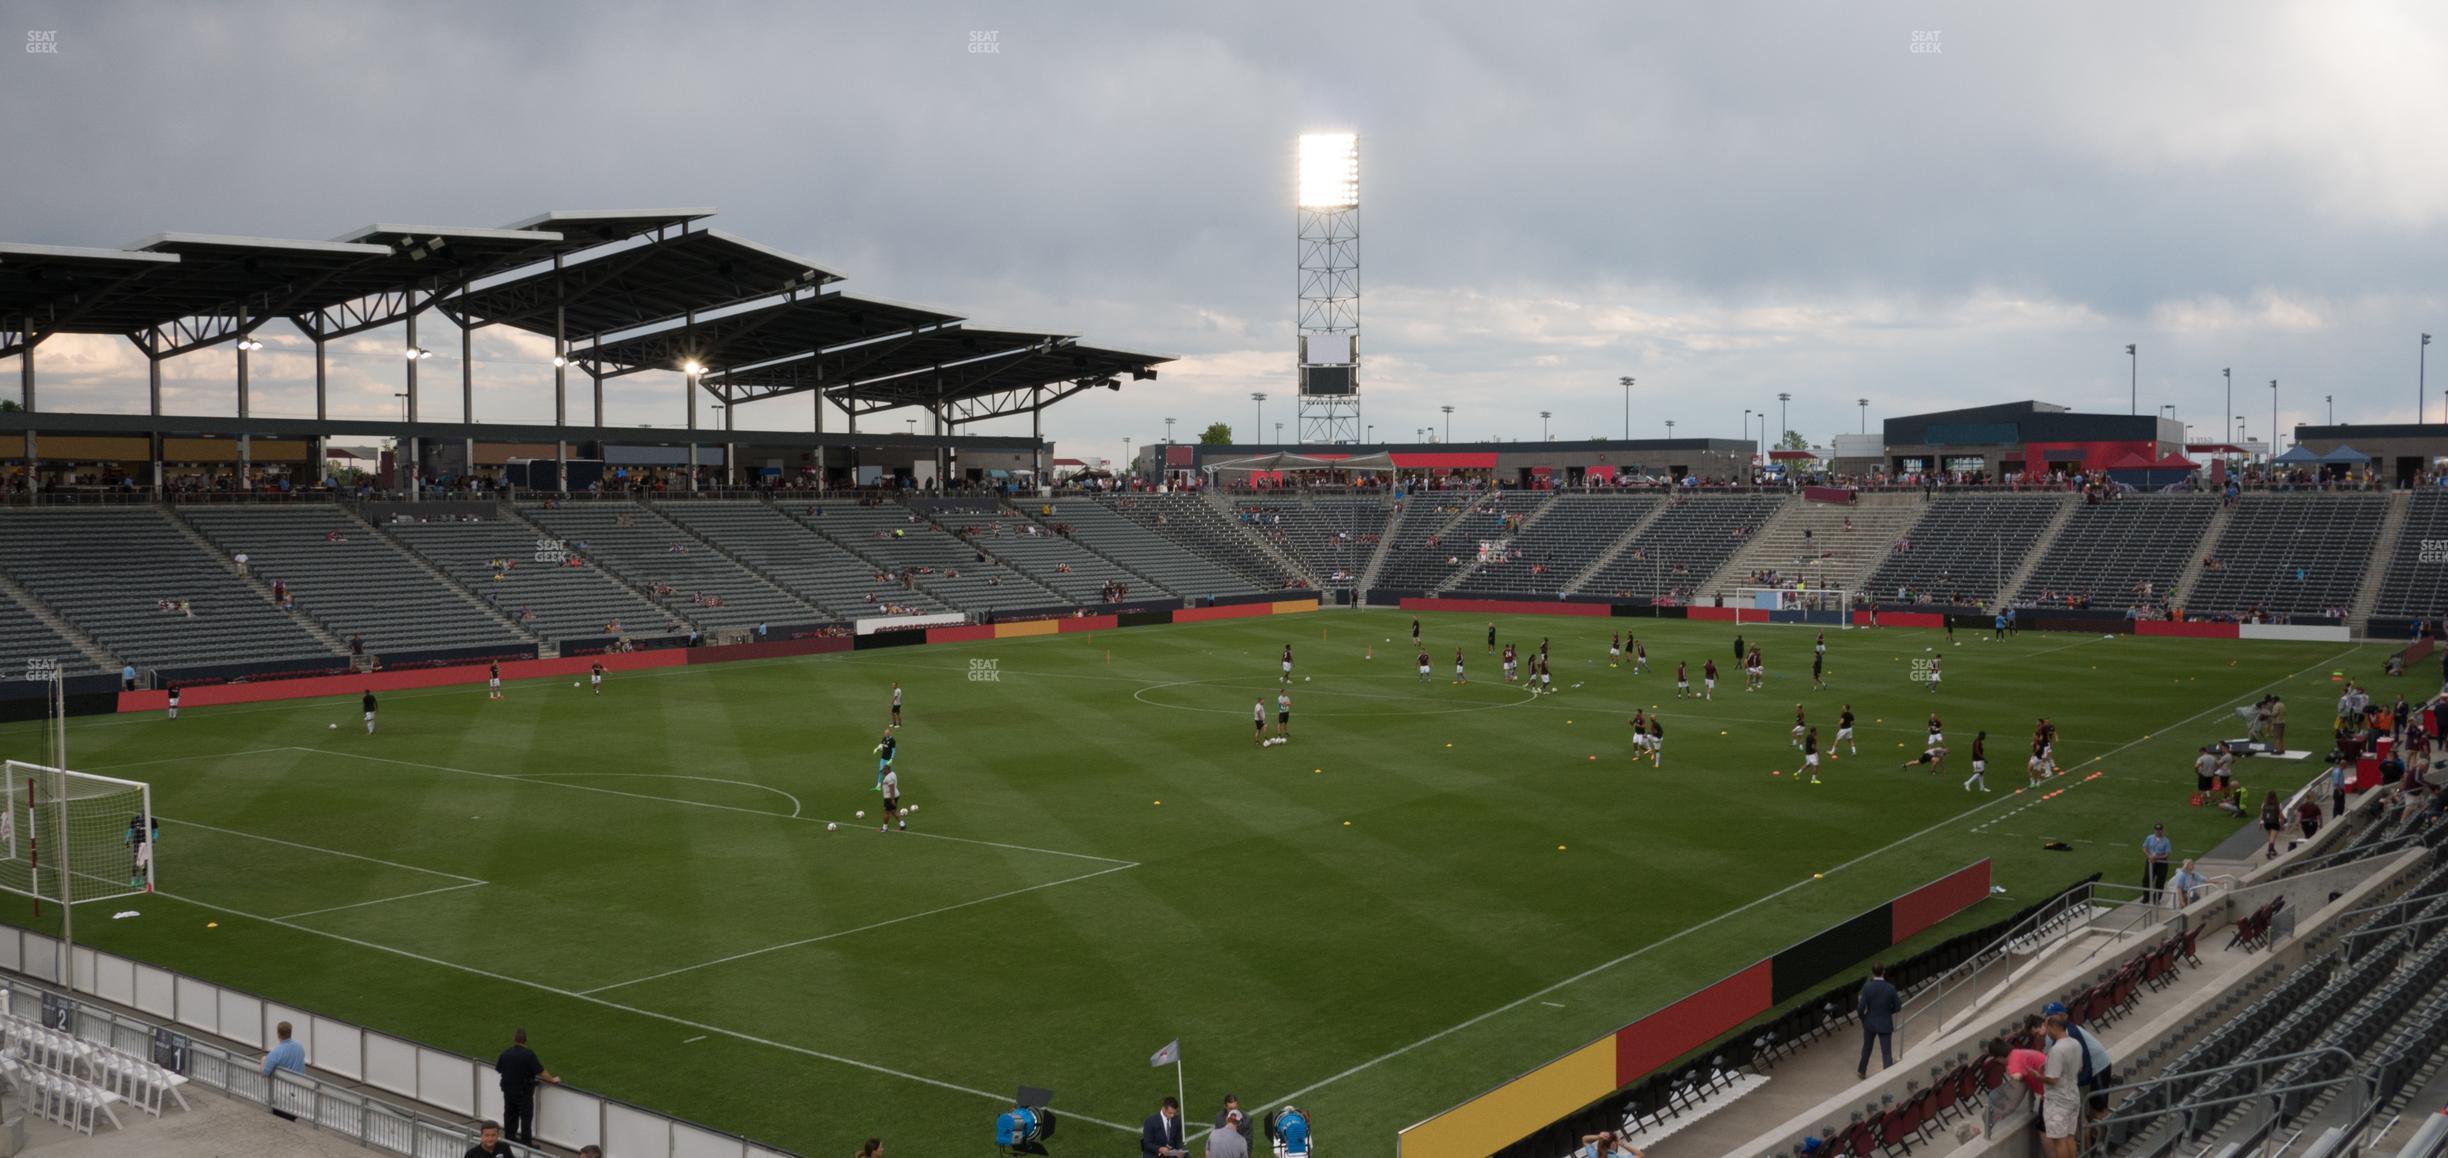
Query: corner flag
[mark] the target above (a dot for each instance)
(1169, 1055)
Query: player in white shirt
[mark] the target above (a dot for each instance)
(892, 803)
(896, 704)
(1258, 720)
(1934, 673)
(1283, 717)
(595, 678)
(493, 681)
(1287, 665)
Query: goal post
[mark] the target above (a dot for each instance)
(69, 836)
(1814, 606)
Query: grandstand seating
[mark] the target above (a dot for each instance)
(2110, 550)
(1457, 523)
(1141, 549)
(811, 566)
(1831, 546)
(648, 551)
(1964, 548)
(557, 602)
(896, 539)
(1570, 533)
(1684, 546)
(105, 571)
(1331, 535)
(24, 636)
(1196, 524)
(2291, 554)
(1039, 551)
(2416, 586)
(351, 581)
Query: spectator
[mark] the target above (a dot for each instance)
(2273, 821)
(2023, 1065)
(520, 1070)
(285, 1054)
(2337, 784)
(2277, 725)
(241, 560)
(1606, 1144)
(2155, 850)
(1232, 1107)
(127, 677)
(2095, 1078)
(1161, 1135)
(590, 1151)
(2061, 1077)
(2186, 887)
(1879, 1004)
(489, 1142)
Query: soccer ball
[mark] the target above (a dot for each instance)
(333, 727)
(573, 683)
(830, 826)
(911, 808)
(862, 814)
(1304, 679)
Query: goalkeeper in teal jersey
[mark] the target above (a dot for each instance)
(884, 757)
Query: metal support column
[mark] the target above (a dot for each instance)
(467, 398)
(153, 392)
(1037, 438)
(315, 445)
(818, 395)
(689, 382)
(415, 476)
(246, 445)
(730, 449)
(25, 383)
(560, 383)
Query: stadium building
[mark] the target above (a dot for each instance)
(2027, 438)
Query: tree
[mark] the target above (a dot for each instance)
(1216, 434)
(10, 406)
(1793, 440)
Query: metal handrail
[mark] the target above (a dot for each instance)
(2370, 1090)
(1948, 982)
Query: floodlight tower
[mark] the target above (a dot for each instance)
(1328, 314)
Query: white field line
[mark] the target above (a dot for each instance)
(383, 900)
(1680, 934)
(847, 932)
(1111, 860)
(325, 851)
(685, 1023)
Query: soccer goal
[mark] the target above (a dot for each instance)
(70, 836)
(1822, 606)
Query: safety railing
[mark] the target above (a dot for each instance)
(2059, 913)
(354, 1072)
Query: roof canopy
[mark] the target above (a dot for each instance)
(653, 281)
(2297, 456)
(2343, 456)
(795, 327)
(1286, 461)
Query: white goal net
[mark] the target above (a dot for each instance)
(68, 836)
(1755, 604)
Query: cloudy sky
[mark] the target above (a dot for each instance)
(1725, 200)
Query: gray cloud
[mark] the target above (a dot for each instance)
(1725, 200)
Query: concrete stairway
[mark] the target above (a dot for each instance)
(1809, 539)
(308, 623)
(2180, 594)
(2392, 527)
(2031, 559)
(1621, 544)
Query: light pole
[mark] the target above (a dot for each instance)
(1448, 422)
(2330, 400)
(2422, 356)
(1782, 428)
(1372, 433)
(2229, 375)
(1864, 403)
(2239, 438)
(1627, 385)
(1259, 397)
(2133, 380)
(1670, 428)
(1746, 424)
(2273, 447)
(1544, 415)
(1279, 434)
(1168, 431)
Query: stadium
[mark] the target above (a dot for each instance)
(595, 682)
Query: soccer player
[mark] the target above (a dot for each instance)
(896, 703)
(1423, 665)
(1546, 673)
(1798, 728)
(1258, 722)
(1999, 626)
(892, 803)
(1614, 648)
(1935, 757)
(1818, 667)
(1491, 637)
(1640, 734)
(1810, 754)
(885, 750)
(1682, 680)
(2035, 769)
(1820, 647)
(493, 681)
(1458, 677)
(1937, 731)
(1935, 674)
(1980, 762)
(1708, 680)
(1508, 663)
(174, 698)
(1283, 716)
(1286, 677)
(1844, 733)
(138, 854)
(2048, 745)
(1657, 741)
(595, 677)
(1755, 670)
(369, 711)
(1640, 657)
(1415, 629)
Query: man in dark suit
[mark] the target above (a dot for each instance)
(1879, 1004)
(1161, 1135)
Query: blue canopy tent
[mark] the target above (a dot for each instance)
(2344, 456)
(2297, 456)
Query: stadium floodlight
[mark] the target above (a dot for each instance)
(693, 369)
(1329, 170)
(559, 361)
(417, 353)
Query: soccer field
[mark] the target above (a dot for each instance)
(1430, 889)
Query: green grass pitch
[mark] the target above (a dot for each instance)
(1430, 889)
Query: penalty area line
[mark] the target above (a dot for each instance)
(685, 1023)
